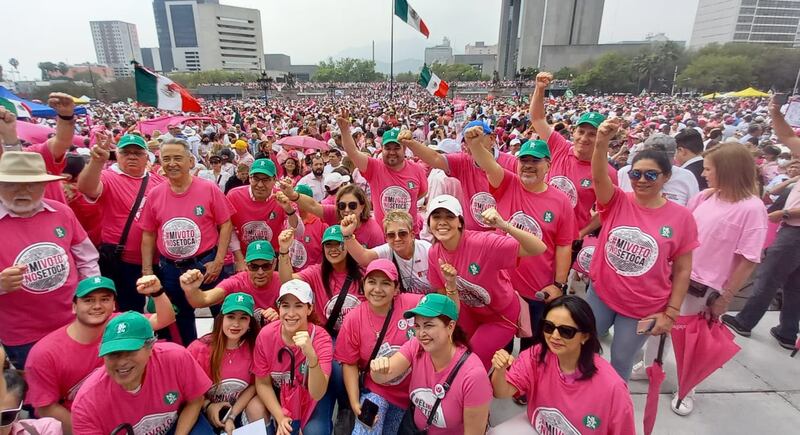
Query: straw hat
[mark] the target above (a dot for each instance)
(24, 167)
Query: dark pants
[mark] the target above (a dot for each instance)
(170, 275)
(536, 310)
(18, 354)
(128, 299)
(780, 269)
(201, 427)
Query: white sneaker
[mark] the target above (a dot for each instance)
(687, 405)
(639, 372)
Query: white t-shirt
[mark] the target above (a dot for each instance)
(681, 187)
(414, 272)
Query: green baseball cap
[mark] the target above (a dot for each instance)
(238, 302)
(126, 333)
(592, 118)
(263, 166)
(433, 305)
(132, 139)
(391, 136)
(260, 250)
(535, 148)
(304, 189)
(333, 234)
(94, 283)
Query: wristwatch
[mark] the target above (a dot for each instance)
(786, 216)
(561, 285)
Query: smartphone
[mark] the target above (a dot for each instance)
(781, 99)
(369, 412)
(224, 412)
(645, 325)
(112, 156)
(295, 427)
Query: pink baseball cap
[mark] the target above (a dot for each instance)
(271, 133)
(383, 265)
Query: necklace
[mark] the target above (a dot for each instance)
(372, 326)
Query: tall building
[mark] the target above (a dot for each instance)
(116, 44)
(526, 26)
(196, 35)
(758, 21)
(442, 53)
(480, 47)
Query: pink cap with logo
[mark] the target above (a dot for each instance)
(382, 265)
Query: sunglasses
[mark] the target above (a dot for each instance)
(398, 235)
(266, 267)
(8, 416)
(649, 175)
(566, 332)
(352, 205)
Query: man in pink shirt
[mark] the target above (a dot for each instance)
(189, 220)
(45, 252)
(115, 190)
(58, 364)
(160, 384)
(395, 183)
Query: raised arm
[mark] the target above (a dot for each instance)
(304, 203)
(501, 361)
(64, 106)
(384, 369)
(529, 244)
(359, 159)
(165, 313)
(782, 128)
(190, 283)
(603, 187)
(285, 271)
(362, 255)
(483, 158)
(427, 155)
(538, 117)
(89, 182)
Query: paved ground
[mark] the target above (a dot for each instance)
(758, 392)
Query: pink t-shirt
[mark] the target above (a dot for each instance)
(358, 336)
(507, 161)
(369, 233)
(186, 224)
(725, 229)
(329, 200)
(483, 260)
(56, 368)
(117, 198)
(549, 216)
(296, 400)
(172, 379)
(324, 302)
(396, 189)
(45, 426)
(558, 406)
(264, 297)
(256, 220)
(470, 388)
(43, 243)
(633, 273)
(54, 190)
(234, 370)
(584, 258)
(475, 187)
(573, 177)
(307, 250)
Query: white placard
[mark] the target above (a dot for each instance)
(257, 427)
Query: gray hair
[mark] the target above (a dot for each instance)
(176, 141)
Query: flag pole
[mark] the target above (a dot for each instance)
(391, 58)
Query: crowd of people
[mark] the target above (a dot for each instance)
(385, 270)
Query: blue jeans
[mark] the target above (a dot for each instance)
(18, 354)
(388, 418)
(625, 343)
(202, 427)
(320, 423)
(128, 299)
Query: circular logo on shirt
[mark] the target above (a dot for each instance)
(156, 424)
(181, 237)
(227, 390)
(47, 267)
(171, 397)
(438, 391)
(565, 185)
(585, 258)
(630, 252)
(472, 295)
(60, 232)
(402, 324)
(423, 399)
(480, 202)
(395, 198)
(298, 254)
(350, 302)
(591, 421)
(551, 420)
(526, 223)
(256, 230)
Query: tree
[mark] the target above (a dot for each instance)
(612, 72)
(528, 73)
(565, 73)
(407, 77)
(347, 70)
(47, 68)
(717, 73)
(63, 68)
(456, 72)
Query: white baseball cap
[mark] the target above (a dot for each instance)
(515, 141)
(300, 289)
(449, 146)
(447, 202)
(334, 180)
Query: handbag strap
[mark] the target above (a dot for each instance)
(132, 214)
(447, 384)
(337, 307)
(403, 288)
(377, 346)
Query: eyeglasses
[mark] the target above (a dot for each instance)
(352, 205)
(266, 267)
(127, 153)
(649, 175)
(258, 180)
(566, 332)
(332, 246)
(8, 416)
(398, 235)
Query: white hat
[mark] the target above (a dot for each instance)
(449, 146)
(284, 132)
(300, 289)
(334, 180)
(188, 131)
(515, 141)
(447, 202)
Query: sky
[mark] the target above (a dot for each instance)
(308, 30)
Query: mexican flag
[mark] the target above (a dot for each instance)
(16, 107)
(436, 86)
(158, 91)
(406, 13)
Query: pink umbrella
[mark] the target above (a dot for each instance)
(701, 347)
(303, 142)
(656, 375)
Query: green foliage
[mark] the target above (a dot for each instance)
(612, 72)
(117, 90)
(770, 67)
(46, 68)
(407, 77)
(717, 72)
(193, 79)
(347, 70)
(528, 73)
(456, 72)
(565, 73)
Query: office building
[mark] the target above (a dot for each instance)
(116, 44)
(480, 47)
(754, 21)
(279, 64)
(196, 35)
(442, 53)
